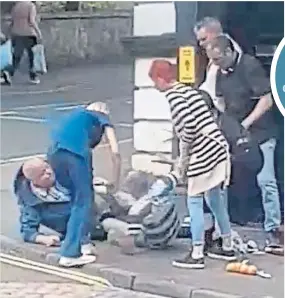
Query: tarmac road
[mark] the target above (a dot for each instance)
(25, 108)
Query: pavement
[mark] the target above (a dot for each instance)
(24, 111)
(22, 283)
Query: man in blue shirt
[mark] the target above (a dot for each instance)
(70, 158)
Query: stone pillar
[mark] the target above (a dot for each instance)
(152, 127)
(159, 29)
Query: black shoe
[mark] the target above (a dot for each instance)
(217, 252)
(7, 78)
(189, 263)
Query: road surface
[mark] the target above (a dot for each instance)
(24, 108)
(22, 283)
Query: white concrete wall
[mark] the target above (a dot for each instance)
(152, 129)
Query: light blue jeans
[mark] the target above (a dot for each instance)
(216, 201)
(267, 182)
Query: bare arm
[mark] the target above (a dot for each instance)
(33, 21)
(114, 152)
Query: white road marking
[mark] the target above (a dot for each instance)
(68, 108)
(46, 106)
(9, 113)
(23, 158)
(58, 105)
(59, 89)
(127, 125)
(26, 119)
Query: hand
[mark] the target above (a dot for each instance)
(39, 39)
(48, 240)
(245, 124)
(181, 168)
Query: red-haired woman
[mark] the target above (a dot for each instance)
(204, 160)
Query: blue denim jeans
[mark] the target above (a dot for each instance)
(215, 200)
(267, 182)
(76, 173)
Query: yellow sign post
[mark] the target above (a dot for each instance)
(186, 65)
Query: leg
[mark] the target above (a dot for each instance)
(269, 190)
(224, 198)
(77, 228)
(195, 259)
(30, 42)
(18, 49)
(216, 200)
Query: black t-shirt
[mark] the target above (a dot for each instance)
(241, 89)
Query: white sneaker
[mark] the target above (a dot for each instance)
(88, 249)
(76, 262)
(35, 81)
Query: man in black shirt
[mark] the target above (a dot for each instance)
(245, 89)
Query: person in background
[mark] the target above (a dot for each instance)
(206, 30)
(4, 80)
(69, 156)
(207, 165)
(245, 88)
(25, 34)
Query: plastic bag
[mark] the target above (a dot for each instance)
(6, 54)
(39, 59)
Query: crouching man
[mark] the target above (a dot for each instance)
(43, 201)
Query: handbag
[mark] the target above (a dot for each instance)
(39, 59)
(6, 57)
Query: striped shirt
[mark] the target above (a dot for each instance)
(195, 125)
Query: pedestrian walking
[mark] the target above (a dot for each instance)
(25, 34)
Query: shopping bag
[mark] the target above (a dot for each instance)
(6, 54)
(39, 59)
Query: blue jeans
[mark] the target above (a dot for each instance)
(267, 182)
(76, 173)
(215, 200)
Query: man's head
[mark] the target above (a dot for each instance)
(39, 172)
(207, 29)
(221, 51)
(163, 74)
(97, 131)
(98, 106)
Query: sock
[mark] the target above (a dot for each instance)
(198, 252)
(227, 243)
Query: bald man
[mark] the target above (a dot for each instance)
(69, 155)
(42, 200)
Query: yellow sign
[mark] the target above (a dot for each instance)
(186, 67)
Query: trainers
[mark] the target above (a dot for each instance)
(35, 81)
(273, 242)
(189, 263)
(217, 252)
(88, 249)
(76, 262)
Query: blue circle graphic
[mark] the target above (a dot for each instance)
(277, 77)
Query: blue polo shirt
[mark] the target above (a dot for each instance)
(73, 131)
